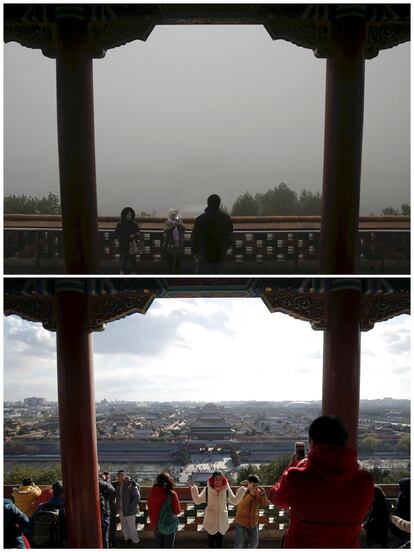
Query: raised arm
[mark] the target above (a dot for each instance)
(280, 492)
(402, 524)
(263, 498)
(236, 498)
(198, 498)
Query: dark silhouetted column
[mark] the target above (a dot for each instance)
(77, 422)
(76, 143)
(341, 360)
(344, 111)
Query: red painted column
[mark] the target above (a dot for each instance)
(77, 421)
(344, 113)
(341, 359)
(76, 141)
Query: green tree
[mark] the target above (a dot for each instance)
(370, 443)
(404, 443)
(388, 476)
(405, 209)
(379, 474)
(185, 457)
(42, 476)
(245, 471)
(280, 200)
(28, 205)
(268, 473)
(390, 211)
(245, 205)
(235, 457)
(310, 203)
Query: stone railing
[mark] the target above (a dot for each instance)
(272, 520)
(34, 243)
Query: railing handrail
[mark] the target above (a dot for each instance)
(18, 220)
(391, 490)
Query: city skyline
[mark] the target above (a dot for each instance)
(162, 356)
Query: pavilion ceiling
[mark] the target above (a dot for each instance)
(112, 25)
(111, 299)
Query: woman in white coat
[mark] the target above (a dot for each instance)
(216, 516)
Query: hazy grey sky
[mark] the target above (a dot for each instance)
(204, 109)
(204, 350)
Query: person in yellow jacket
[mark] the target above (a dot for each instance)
(246, 523)
(24, 496)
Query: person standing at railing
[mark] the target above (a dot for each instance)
(378, 519)
(327, 493)
(163, 508)
(106, 491)
(216, 495)
(25, 495)
(173, 242)
(127, 500)
(246, 522)
(211, 237)
(402, 509)
(130, 240)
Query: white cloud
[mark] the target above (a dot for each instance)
(207, 349)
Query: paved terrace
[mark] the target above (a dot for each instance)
(261, 245)
(272, 521)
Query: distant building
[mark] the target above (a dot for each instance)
(211, 425)
(34, 402)
(200, 477)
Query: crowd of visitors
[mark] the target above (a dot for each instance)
(210, 239)
(329, 499)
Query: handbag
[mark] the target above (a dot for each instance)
(136, 247)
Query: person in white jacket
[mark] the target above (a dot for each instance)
(216, 516)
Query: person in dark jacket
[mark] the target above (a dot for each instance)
(15, 524)
(211, 237)
(106, 491)
(402, 509)
(173, 242)
(162, 489)
(377, 522)
(56, 502)
(127, 500)
(327, 492)
(112, 512)
(128, 235)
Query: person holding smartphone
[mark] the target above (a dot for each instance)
(246, 522)
(327, 493)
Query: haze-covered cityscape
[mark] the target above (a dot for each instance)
(206, 109)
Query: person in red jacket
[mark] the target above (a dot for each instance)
(327, 493)
(162, 488)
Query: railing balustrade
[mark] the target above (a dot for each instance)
(259, 244)
(272, 521)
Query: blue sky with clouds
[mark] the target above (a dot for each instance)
(206, 349)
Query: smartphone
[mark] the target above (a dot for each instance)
(300, 450)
